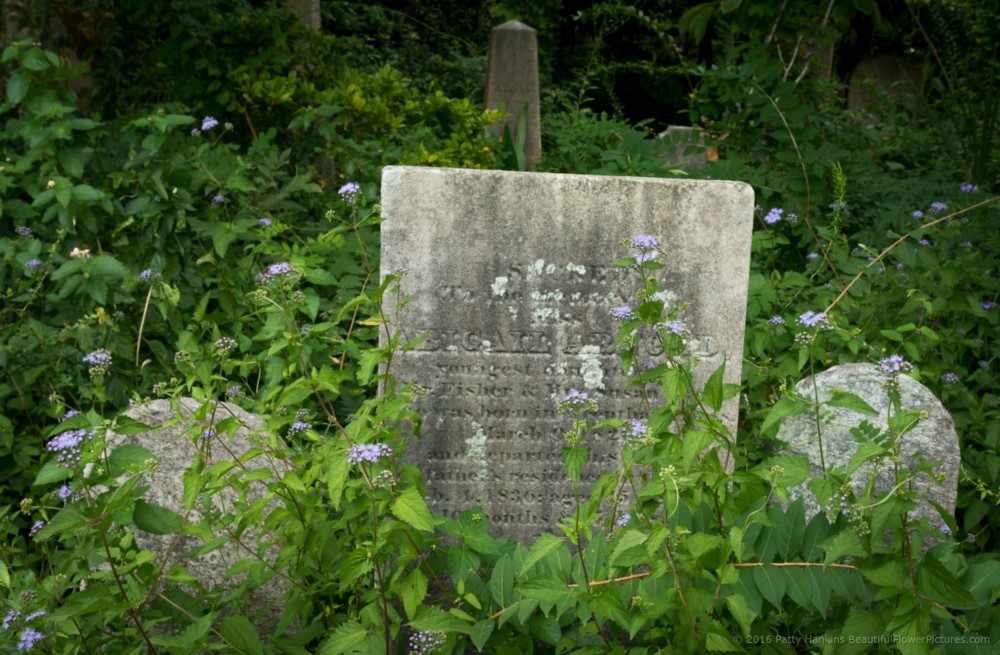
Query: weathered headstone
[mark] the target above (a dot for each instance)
(220, 432)
(934, 438)
(510, 276)
(512, 82)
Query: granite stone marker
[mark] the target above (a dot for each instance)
(512, 82)
(176, 436)
(510, 276)
(934, 438)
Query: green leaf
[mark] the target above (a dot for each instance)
(410, 508)
(414, 591)
(502, 581)
(842, 544)
(545, 545)
(66, 519)
(983, 579)
(938, 583)
(86, 194)
(155, 519)
(737, 605)
(52, 472)
(17, 87)
(787, 405)
(430, 617)
(481, 633)
(851, 401)
(866, 451)
(730, 5)
(347, 637)
(108, 267)
(573, 460)
(128, 455)
(545, 590)
(771, 584)
(713, 389)
(241, 634)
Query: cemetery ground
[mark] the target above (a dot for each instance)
(320, 377)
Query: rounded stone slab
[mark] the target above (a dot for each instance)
(933, 439)
(176, 437)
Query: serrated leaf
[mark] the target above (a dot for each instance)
(108, 267)
(738, 607)
(851, 401)
(842, 544)
(786, 406)
(545, 545)
(712, 393)
(129, 455)
(17, 87)
(939, 583)
(430, 617)
(241, 634)
(545, 590)
(411, 508)
(155, 519)
(347, 637)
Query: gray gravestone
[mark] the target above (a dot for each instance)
(510, 275)
(176, 438)
(512, 82)
(934, 438)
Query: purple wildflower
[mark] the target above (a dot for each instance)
(623, 520)
(208, 123)
(970, 188)
(776, 320)
(28, 639)
(299, 426)
(99, 360)
(774, 215)
(622, 313)
(938, 207)
(792, 218)
(645, 242)
(674, 327)
(917, 215)
(945, 529)
(814, 319)
(264, 221)
(575, 397)
(812, 255)
(64, 492)
(368, 452)
(894, 365)
(349, 191)
(276, 272)
(950, 378)
(987, 305)
(924, 242)
(32, 264)
(218, 199)
(23, 230)
(427, 642)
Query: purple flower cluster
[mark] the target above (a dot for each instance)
(774, 215)
(894, 365)
(814, 319)
(99, 360)
(146, 274)
(623, 520)
(218, 199)
(575, 397)
(917, 215)
(276, 272)
(970, 188)
(297, 427)
(208, 123)
(23, 230)
(674, 327)
(635, 432)
(776, 320)
(64, 492)
(987, 305)
(349, 191)
(938, 207)
(950, 378)
(235, 391)
(32, 264)
(427, 642)
(812, 255)
(264, 221)
(622, 313)
(68, 446)
(28, 639)
(645, 242)
(368, 452)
